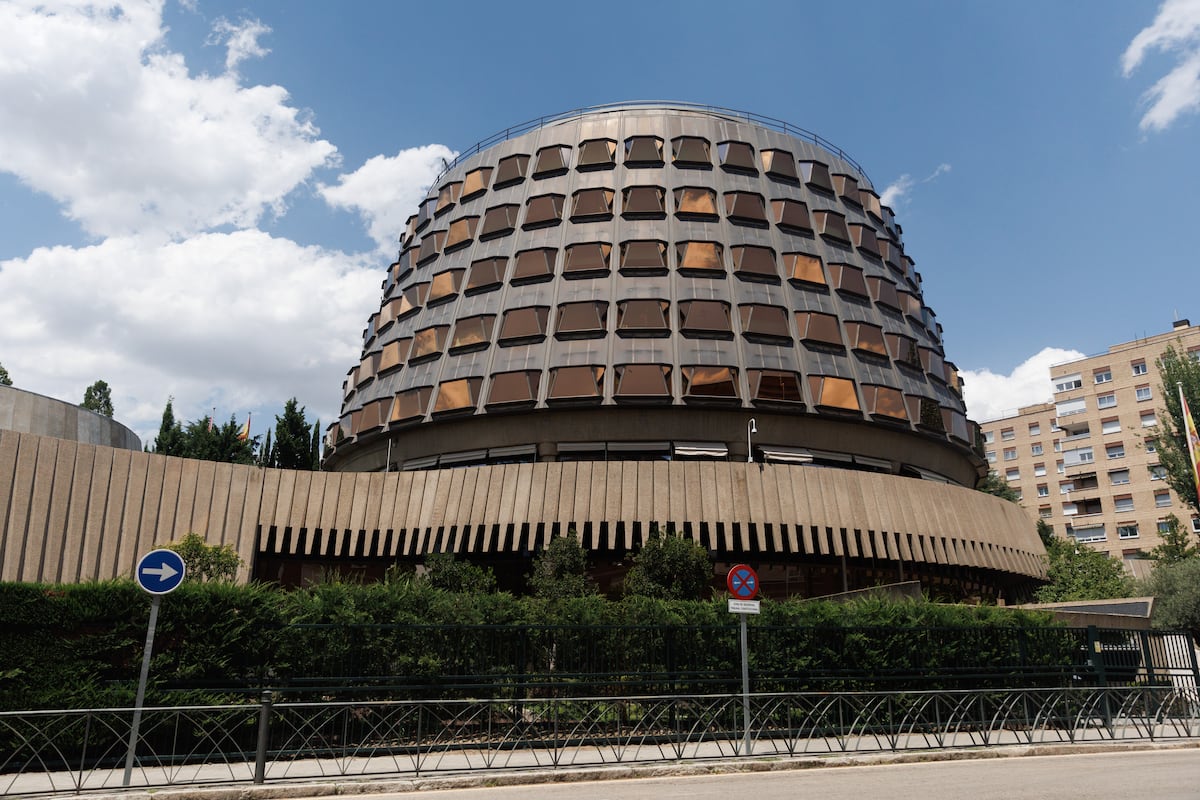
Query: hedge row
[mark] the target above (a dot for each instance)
(80, 646)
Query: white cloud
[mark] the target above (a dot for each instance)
(99, 114)
(386, 189)
(1176, 29)
(236, 320)
(240, 40)
(990, 396)
(900, 187)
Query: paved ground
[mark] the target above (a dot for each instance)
(1100, 771)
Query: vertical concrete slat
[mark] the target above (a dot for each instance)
(205, 476)
(218, 508)
(677, 511)
(114, 512)
(40, 498)
(55, 551)
(566, 495)
(17, 510)
(131, 517)
(612, 501)
(81, 484)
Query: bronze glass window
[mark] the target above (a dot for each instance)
(931, 362)
(704, 318)
(754, 262)
(643, 256)
(832, 225)
(586, 320)
(804, 268)
(642, 382)
(445, 286)
(780, 164)
(884, 401)
(867, 338)
(591, 204)
(576, 383)
(644, 150)
(831, 392)
(486, 274)
(428, 342)
(696, 202)
(425, 211)
(746, 208)
(816, 176)
(447, 197)
(903, 349)
(367, 368)
(514, 387)
(394, 354)
(499, 221)
(457, 395)
(690, 151)
(552, 160)
(534, 265)
(476, 182)
(760, 321)
(597, 154)
(543, 209)
(369, 416)
(817, 327)
(412, 299)
(791, 216)
(521, 324)
(737, 157)
(644, 202)
(511, 169)
(472, 333)
(774, 386)
(883, 292)
(864, 239)
(870, 201)
(642, 317)
(710, 383)
(701, 257)
(846, 187)
(925, 412)
(411, 404)
(590, 258)
(910, 304)
(848, 279)
(431, 245)
(461, 232)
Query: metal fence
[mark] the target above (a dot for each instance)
(73, 751)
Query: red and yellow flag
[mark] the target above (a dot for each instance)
(244, 433)
(1193, 439)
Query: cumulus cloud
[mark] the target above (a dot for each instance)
(386, 189)
(232, 320)
(900, 187)
(99, 114)
(990, 396)
(1175, 30)
(240, 40)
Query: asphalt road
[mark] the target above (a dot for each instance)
(1155, 775)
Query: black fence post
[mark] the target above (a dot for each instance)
(264, 736)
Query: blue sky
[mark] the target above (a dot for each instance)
(199, 199)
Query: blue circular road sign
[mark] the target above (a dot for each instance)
(160, 571)
(742, 582)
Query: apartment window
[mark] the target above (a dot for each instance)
(710, 383)
(1013, 474)
(1106, 400)
(1039, 470)
(1058, 467)
(597, 154)
(1066, 487)
(1102, 375)
(1043, 490)
(1010, 454)
(1195, 524)
(511, 169)
(1151, 445)
(804, 268)
(696, 202)
(1116, 450)
(1123, 503)
(645, 256)
(1007, 434)
(1127, 531)
(989, 437)
(1144, 393)
(1162, 499)
(1119, 477)
(690, 150)
(1045, 512)
(1057, 446)
(1110, 425)
(1080, 455)
(991, 456)
(1068, 382)
(1148, 419)
(1069, 407)
(552, 160)
(643, 150)
(1035, 429)
(737, 157)
(592, 204)
(1036, 448)
(1158, 473)
(1164, 526)
(643, 202)
(1138, 367)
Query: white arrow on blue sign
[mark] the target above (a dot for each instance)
(160, 571)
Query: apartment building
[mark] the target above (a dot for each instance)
(1086, 462)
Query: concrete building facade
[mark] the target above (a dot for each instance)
(1086, 462)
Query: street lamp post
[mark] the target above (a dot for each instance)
(751, 429)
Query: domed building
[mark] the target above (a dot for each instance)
(673, 317)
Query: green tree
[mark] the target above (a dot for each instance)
(1176, 590)
(316, 445)
(669, 567)
(994, 484)
(1177, 368)
(204, 561)
(560, 570)
(5, 380)
(98, 398)
(170, 439)
(266, 453)
(207, 441)
(1077, 572)
(444, 571)
(1177, 543)
(293, 438)
(1045, 532)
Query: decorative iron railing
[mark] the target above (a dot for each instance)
(72, 751)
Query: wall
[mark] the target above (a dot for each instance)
(27, 412)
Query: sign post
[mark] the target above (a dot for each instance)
(158, 572)
(742, 582)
